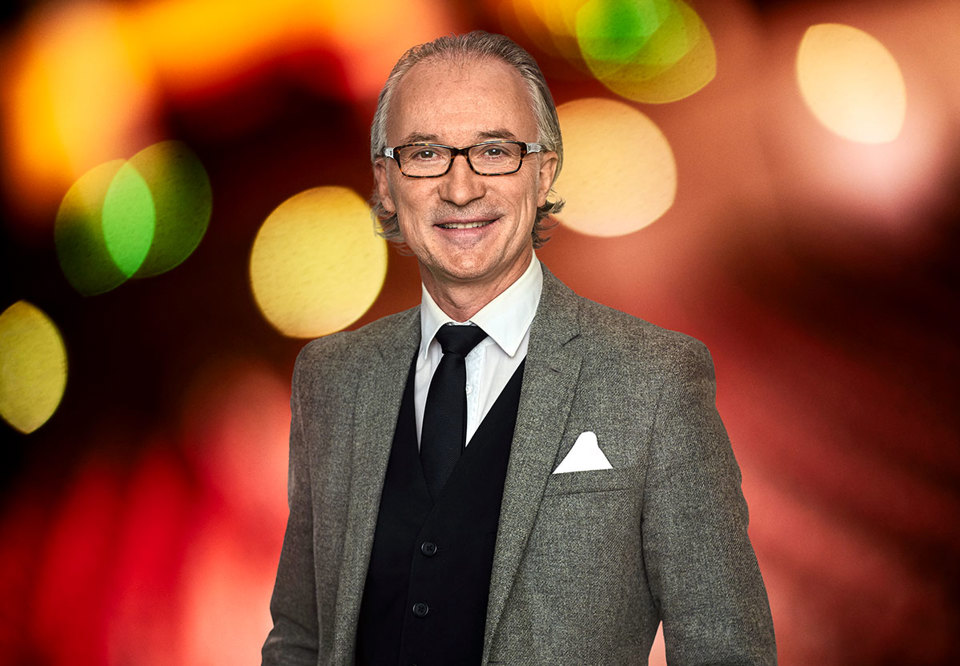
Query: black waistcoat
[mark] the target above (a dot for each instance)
(425, 598)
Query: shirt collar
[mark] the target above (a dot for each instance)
(505, 319)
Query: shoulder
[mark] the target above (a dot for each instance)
(339, 354)
(604, 328)
(619, 339)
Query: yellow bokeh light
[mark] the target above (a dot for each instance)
(316, 264)
(851, 83)
(530, 19)
(33, 367)
(619, 173)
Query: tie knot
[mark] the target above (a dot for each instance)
(459, 339)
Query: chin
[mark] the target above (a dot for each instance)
(456, 270)
(465, 274)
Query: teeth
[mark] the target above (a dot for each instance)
(465, 225)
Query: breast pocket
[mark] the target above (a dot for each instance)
(591, 481)
(582, 570)
(583, 511)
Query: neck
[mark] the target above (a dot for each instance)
(461, 300)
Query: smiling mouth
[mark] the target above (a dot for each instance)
(465, 225)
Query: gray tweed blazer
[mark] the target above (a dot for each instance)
(587, 564)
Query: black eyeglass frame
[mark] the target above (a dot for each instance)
(526, 148)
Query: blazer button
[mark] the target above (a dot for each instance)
(428, 548)
(420, 609)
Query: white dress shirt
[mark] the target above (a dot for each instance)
(490, 365)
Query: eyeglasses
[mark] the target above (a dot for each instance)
(490, 158)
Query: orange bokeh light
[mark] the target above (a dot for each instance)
(85, 81)
(79, 93)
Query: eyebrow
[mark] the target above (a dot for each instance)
(419, 137)
(497, 134)
(485, 135)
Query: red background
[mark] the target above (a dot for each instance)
(142, 523)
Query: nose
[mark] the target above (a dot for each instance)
(461, 185)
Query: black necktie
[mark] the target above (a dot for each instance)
(444, 430)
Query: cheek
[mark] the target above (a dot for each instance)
(532, 199)
(403, 220)
(399, 197)
(410, 196)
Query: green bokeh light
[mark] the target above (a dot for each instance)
(133, 218)
(651, 51)
(79, 235)
(615, 30)
(182, 199)
(128, 219)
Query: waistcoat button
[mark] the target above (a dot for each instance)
(428, 548)
(420, 609)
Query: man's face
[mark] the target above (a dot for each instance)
(440, 101)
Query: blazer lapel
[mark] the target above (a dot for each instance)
(379, 392)
(549, 382)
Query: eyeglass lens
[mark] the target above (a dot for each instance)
(485, 158)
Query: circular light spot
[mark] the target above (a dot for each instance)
(79, 234)
(851, 83)
(182, 200)
(33, 367)
(133, 218)
(619, 173)
(550, 25)
(128, 219)
(316, 264)
(615, 31)
(651, 51)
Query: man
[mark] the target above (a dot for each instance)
(543, 485)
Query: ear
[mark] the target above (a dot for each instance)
(548, 171)
(383, 187)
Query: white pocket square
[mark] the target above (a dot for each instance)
(585, 455)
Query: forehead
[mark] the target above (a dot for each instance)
(461, 101)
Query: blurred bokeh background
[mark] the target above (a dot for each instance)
(184, 188)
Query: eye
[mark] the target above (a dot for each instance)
(496, 152)
(423, 154)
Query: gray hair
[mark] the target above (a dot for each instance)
(475, 45)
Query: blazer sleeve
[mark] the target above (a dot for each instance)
(701, 567)
(293, 606)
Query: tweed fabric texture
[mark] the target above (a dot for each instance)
(586, 564)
